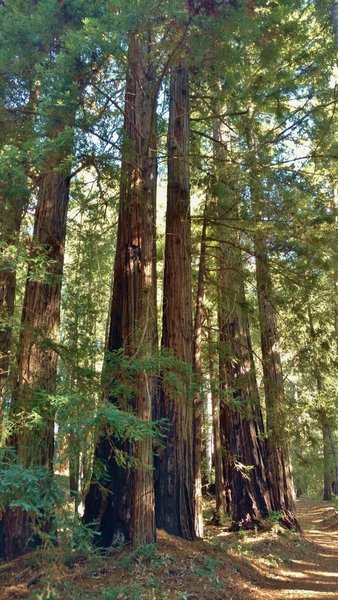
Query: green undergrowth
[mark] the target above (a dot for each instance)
(172, 569)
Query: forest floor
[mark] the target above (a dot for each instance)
(271, 565)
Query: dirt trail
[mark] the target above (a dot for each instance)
(313, 575)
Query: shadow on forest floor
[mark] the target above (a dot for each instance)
(274, 564)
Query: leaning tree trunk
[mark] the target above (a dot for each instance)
(174, 463)
(37, 361)
(122, 504)
(241, 419)
(279, 463)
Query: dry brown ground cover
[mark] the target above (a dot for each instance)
(270, 565)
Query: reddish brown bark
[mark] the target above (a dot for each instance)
(279, 463)
(241, 419)
(174, 464)
(125, 510)
(280, 473)
(37, 358)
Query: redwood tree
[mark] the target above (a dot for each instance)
(174, 463)
(32, 438)
(241, 418)
(122, 502)
(279, 463)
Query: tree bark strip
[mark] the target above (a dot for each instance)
(37, 359)
(174, 464)
(222, 486)
(198, 401)
(125, 510)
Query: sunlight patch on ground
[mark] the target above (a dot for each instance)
(322, 573)
(294, 574)
(304, 594)
(301, 562)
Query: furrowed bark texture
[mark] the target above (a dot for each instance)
(37, 360)
(174, 464)
(124, 510)
(279, 463)
(241, 419)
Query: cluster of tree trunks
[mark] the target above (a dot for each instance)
(253, 470)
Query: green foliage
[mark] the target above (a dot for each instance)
(31, 488)
(207, 569)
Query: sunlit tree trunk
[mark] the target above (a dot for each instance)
(198, 401)
(222, 490)
(124, 512)
(174, 464)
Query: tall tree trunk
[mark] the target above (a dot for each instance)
(222, 490)
(241, 418)
(327, 461)
(174, 464)
(14, 195)
(198, 401)
(279, 462)
(11, 211)
(37, 361)
(124, 511)
(335, 464)
(280, 473)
